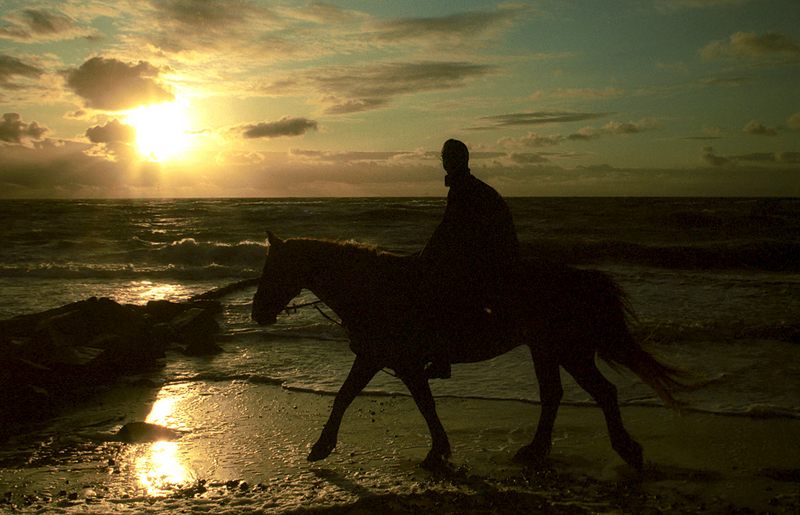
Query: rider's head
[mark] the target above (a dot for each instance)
(455, 159)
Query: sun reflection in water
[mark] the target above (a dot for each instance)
(143, 291)
(160, 468)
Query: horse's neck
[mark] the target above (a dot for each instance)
(332, 274)
(368, 291)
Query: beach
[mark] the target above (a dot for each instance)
(245, 445)
(714, 284)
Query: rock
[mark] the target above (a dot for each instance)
(196, 328)
(140, 432)
(62, 355)
(161, 311)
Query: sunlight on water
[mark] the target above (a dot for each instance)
(161, 468)
(140, 292)
(161, 411)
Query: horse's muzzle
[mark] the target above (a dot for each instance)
(262, 319)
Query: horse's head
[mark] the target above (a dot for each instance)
(279, 282)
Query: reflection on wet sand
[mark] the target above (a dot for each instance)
(160, 467)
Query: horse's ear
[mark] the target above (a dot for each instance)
(272, 240)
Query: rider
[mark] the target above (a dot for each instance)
(469, 260)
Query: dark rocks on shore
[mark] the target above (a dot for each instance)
(63, 355)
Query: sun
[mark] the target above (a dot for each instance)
(163, 131)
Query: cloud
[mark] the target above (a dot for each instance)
(11, 68)
(460, 28)
(286, 126)
(67, 169)
(794, 121)
(750, 45)
(111, 132)
(113, 85)
(728, 82)
(350, 89)
(784, 160)
(586, 93)
(710, 157)
(533, 139)
(528, 158)
(14, 130)
(186, 25)
(348, 157)
(671, 5)
(536, 118)
(33, 25)
(759, 129)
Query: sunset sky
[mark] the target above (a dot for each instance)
(180, 98)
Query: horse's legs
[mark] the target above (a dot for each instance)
(361, 373)
(420, 390)
(586, 374)
(550, 393)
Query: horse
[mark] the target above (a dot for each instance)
(566, 316)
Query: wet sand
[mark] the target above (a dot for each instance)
(246, 444)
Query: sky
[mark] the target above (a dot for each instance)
(246, 98)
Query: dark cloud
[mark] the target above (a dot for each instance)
(351, 89)
(286, 126)
(66, 170)
(31, 25)
(771, 45)
(44, 22)
(111, 132)
(204, 13)
(110, 84)
(192, 25)
(759, 129)
(533, 139)
(528, 158)
(11, 67)
(770, 157)
(703, 138)
(14, 130)
(786, 160)
(538, 118)
(469, 25)
(354, 89)
(728, 82)
(710, 157)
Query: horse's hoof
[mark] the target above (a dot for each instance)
(633, 455)
(320, 451)
(532, 454)
(434, 463)
(437, 459)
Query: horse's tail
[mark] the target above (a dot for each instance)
(618, 347)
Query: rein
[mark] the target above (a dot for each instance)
(315, 304)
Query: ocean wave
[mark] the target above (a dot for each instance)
(716, 331)
(124, 271)
(189, 251)
(769, 255)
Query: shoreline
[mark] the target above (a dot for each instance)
(246, 446)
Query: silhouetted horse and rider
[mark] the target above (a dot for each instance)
(467, 297)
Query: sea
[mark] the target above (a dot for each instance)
(715, 284)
